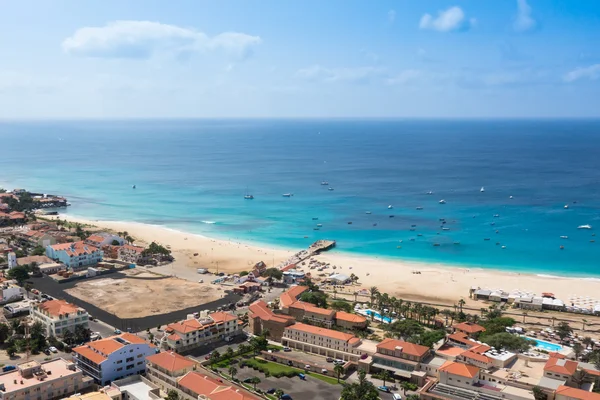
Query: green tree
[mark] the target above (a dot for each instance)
(172, 395)
(428, 338)
(20, 274)
(258, 344)
(385, 376)
(115, 243)
(229, 353)
(37, 338)
(339, 370)
(361, 390)
(38, 251)
(243, 349)
(373, 292)
(412, 397)
(278, 393)
(340, 305)
(509, 342)
(404, 328)
(273, 273)
(4, 333)
(82, 334)
(563, 329)
(577, 349)
(255, 380)
(215, 356)
(317, 298)
(232, 371)
(68, 337)
(11, 351)
(539, 394)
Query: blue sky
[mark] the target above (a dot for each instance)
(418, 58)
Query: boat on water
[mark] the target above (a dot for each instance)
(445, 229)
(442, 201)
(375, 224)
(319, 225)
(324, 183)
(330, 189)
(368, 212)
(566, 206)
(412, 229)
(315, 218)
(419, 208)
(562, 247)
(390, 207)
(419, 234)
(510, 197)
(482, 189)
(412, 239)
(503, 247)
(349, 222)
(316, 229)
(496, 216)
(133, 187)
(430, 192)
(486, 239)
(287, 194)
(436, 245)
(456, 242)
(564, 237)
(391, 216)
(413, 225)
(248, 197)
(584, 226)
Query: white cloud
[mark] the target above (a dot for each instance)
(592, 72)
(355, 75)
(404, 77)
(452, 19)
(145, 39)
(523, 20)
(391, 16)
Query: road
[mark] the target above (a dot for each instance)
(104, 329)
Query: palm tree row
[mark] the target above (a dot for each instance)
(417, 311)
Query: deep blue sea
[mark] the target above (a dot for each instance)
(192, 175)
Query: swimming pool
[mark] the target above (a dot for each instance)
(377, 316)
(542, 344)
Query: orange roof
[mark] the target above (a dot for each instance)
(75, 248)
(90, 354)
(186, 326)
(58, 307)
(348, 317)
(170, 361)
(95, 238)
(460, 369)
(308, 307)
(221, 316)
(475, 356)
(561, 366)
(105, 346)
(347, 337)
(259, 309)
(137, 249)
(133, 339)
(556, 355)
(291, 295)
(462, 338)
(480, 349)
(211, 388)
(409, 348)
(574, 393)
(174, 337)
(469, 327)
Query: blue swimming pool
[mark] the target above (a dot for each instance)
(542, 344)
(378, 316)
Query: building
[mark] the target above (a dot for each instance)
(307, 312)
(322, 341)
(339, 279)
(12, 260)
(76, 255)
(293, 276)
(349, 320)
(37, 260)
(51, 268)
(114, 358)
(166, 367)
(560, 369)
(10, 293)
(102, 239)
(93, 396)
(401, 359)
(259, 269)
(247, 287)
(38, 238)
(130, 253)
(194, 332)
(569, 393)
(49, 380)
(58, 316)
(194, 386)
(468, 328)
(261, 317)
(529, 303)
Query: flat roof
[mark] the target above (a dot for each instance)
(58, 369)
(138, 389)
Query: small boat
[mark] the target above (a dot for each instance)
(584, 227)
(133, 187)
(412, 239)
(566, 206)
(419, 234)
(305, 237)
(482, 189)
(368, 212)
(493, 223)
(445, 229)
(413, 226)
(456, 242)
(315, 218)
(412, 229)
(562, 247)
(430, 192)
(316, 229)
(503, 247)
(390, 207)
(319, 225)
(248, 197)
(496, 216)
(442, 201)
(287, 195)
(443, 222)
(400, 240)
(510, 197)
(375, 224)
(564, 237)
(330, 189)
(391, 216)
(486, 239)
(442, 219)
(436, 245)
(592, 241)
(419, 208)
(324, 183)
(398, 247)
(349, 222)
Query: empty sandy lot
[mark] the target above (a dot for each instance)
(142, 294)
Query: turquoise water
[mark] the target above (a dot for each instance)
(387, 320)
(192, 176)
(542, 344)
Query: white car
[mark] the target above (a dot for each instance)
(53, 349)
(396, 396)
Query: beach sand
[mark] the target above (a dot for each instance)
(436, 283)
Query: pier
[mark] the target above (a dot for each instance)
(320, 246)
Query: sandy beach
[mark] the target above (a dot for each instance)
(438, 283)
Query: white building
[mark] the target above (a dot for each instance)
(103, 239)
(77, 255)
(292, 276)
(114, 358)
(58, 316)
(12, 260)
(192, 332)
(10, 293)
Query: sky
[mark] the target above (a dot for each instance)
(311, 58)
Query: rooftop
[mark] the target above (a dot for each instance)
(259, 309)
(561, 366)
(330, 333)
(56, 368)
(460, 369)
(308, 307)
(573, 393)
(98, 351)
(58, 307)
(348, 317)
(170, 361)
(211, 388)
(469, 327)
(405, 347)
(291, 295)
(75, 249)
(90, 396)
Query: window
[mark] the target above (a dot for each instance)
(129, 359)
(140, 355)
(119, 361)
(119, 369)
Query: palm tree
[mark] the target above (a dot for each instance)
(339, 370)
(461, 303)
(385, 375)
(334, 293)
(232, 371)
(254, 381)
(242, 348)
(577, 349)
(355, 296)
(553, 320)
(525, 314)
(483, 311)
(584, 322)
(405, 385)
(446, 313)
(374, 292)
(588, 341)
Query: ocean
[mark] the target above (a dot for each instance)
(192, 175)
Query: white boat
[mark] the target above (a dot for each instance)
(330, 189)
(564, 237)
(510, 197)
(445, 229)
(248, 197)
(442, 201)
(390, 207)
(566, 206)
(496, 215)
(482, 189)
(324, 183)
(368, 212)
(287, 195)
(419, 208)
(319, 225)
(584, 227)
(430, 192)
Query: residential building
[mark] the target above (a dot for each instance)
(135, 387)
(261, 317)
(76, 255)
(12, 260)
(38, 238)
(58, 316)
(166, 367)
(37, 260)
(10, 292)
(569, 393)
(401, 359)
(51, 268)
(468, 328)
(93, 396)
(114, 358)
(194, 386)
(48, 380)
(560, 369)
(307, 312)
(102, 239)
(292, 276)
(322, 341)
(259, 269)
(349, 320)
(193, 332)
(130, 253)
(247, 287)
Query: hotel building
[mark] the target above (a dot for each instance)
(58, 316)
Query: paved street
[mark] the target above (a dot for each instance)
(104, 329)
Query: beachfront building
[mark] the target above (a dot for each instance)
(322, 341)
(163, 369)
(349, 320)
(130, 253)
(76, 255)
(468, 328)
(102, 239)
(195, 332)
(55, 379)
(37, 238)
(261, 317)
(114, 358)
(293, 276)
(58, 316)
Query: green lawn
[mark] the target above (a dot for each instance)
(274, 368)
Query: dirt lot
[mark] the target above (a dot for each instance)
(143, 294)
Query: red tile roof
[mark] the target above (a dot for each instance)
(469, 327)
(476, 356)
(460, 369)
(212, 389)
(348, 317)
(308, 307)
(573, 393)
(462, 338)
(407, 348)
(287, 298)
(96, 238)
(171, 361)
(75, 249)
(58, 307)
(186, 326)
(330, 333)
(561, 366)
(90, 354)
(221, 316)
(260, 310)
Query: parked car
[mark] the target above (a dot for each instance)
(271, 391)
(285, 397)
(286, 349)
(329, 359)
(53, 349)
(307, 367)
(302, 376)
(396, 396)
(324, 371)
(47, 352)
(117, 332)
(383, 388)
